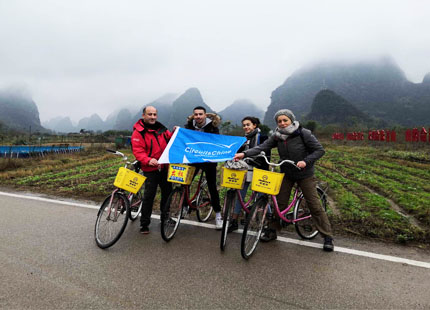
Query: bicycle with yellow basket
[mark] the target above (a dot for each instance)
(269, 183)
(233, 178)
(185, 198)
(124, 203)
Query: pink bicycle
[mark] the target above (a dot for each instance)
(268, 183)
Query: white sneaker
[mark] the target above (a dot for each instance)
(218, 223)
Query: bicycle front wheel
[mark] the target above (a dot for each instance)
(228, 212)
(170, 221)
(136, 205)
(111, 220)
(253, 227)
(303, 222)
(203, 203)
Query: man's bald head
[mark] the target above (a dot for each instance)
(149, 115)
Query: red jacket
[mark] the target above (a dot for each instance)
(149, 142)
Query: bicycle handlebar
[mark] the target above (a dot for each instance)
(117, 153)
(262, 154)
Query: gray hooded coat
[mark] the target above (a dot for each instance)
(300, 145)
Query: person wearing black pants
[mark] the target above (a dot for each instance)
(154, 178)
(208, 122)
(148, 141)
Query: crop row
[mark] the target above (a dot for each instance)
(368, 213)
(367, 162)
(40, 167)
(82, 169)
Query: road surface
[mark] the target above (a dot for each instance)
(49, 260)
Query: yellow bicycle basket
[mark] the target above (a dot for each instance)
(232, 178)
(129, 180)
(182, 174)
(267, 182)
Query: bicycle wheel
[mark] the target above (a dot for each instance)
(228, 212)
(253, 227)
(306, 228)
(111, 220)
(170, 221)
(136, 205)
(203, 203)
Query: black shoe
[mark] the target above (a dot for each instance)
(233, 226)
(144, 229)
(328, 244)
(268, 235)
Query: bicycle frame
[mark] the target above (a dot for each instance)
(245, 205)
(297, 193)
(282, 214)
(187, 198)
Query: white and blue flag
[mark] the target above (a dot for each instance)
(190, 146)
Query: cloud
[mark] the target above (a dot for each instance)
(84, 57)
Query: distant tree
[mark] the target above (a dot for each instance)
(226, 127)
(311, 125)
(265, 129)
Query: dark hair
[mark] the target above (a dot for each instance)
(252, 119)
(144, 109)
(199, 108)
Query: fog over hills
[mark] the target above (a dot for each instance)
(377, 88)
(239, 109)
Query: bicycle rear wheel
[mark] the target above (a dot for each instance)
(136, 205)
(253, 227)
(203, 203)
(111, 220)
(170, 221)
(228, 212)
(306, 228)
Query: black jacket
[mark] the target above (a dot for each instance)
(251, 142)
(212, 127)
(301, 145)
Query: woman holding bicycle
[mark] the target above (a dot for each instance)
(254, 137)
(300, 145)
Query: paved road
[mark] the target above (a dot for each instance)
(48, 260)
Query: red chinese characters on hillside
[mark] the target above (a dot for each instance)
(382, 135)
(337, 136)
(411, 135)
(354, 136)
(415, 135)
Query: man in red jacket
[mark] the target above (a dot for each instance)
(149, 139)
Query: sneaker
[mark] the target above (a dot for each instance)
(268, 235)
(233, 226)
(185, 212)
(218, 223)
(144, 229)
(328, 244)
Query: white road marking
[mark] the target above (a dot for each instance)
(389, 258)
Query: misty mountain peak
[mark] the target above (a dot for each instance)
(426, 79)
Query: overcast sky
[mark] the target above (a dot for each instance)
(80, 57)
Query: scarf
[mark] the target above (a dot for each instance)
(251, 139)
(284, 133)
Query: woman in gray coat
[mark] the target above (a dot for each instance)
(299, 145)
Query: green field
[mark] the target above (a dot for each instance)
(373, 192)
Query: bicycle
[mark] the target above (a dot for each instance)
(124, 203)
(233, 180)
(269, 183)
(180, 203)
